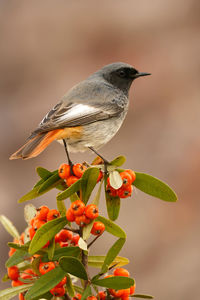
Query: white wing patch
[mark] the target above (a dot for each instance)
(78, 111)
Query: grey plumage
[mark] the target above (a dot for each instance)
(98, 104)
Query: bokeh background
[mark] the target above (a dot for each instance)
(48, 46)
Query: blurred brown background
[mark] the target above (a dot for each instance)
(48, 46)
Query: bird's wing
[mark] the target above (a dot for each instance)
(82, 105)
(76, 114)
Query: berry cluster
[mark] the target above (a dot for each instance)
(123, 294)
(43, 215)
(72, 173)
(83, 215)
(128, 177)
(59, 289)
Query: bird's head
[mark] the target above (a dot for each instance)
(120, 75)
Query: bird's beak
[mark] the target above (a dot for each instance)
(139, 74)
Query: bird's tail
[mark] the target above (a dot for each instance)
(36, 145)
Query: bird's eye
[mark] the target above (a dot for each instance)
(122, 73)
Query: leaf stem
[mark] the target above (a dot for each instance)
(91, 243)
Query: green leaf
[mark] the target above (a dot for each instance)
(112, 253)
(74, 197)
(69, 286)
(35, 265)
(45, 233)
(113, 206)
(111, 227)
(97, 261)
(50, 183)
(88, 182)
(45, 283)
(5, 278)
(17, 257)
(87, 292)
(13, 291)
(154, 187)
(43, 188)
(61, 208)
(116, 282)
(78, 289)
(19, 246)
(97, 196)
(118, 161)
(60, 252)
(9, 227)
(142, 296)
(46, 296)
(51, 249)
(30, 195)
(43, 173)
(73, 266)
(87, 230)
(69, 191)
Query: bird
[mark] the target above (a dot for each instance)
(88, 115)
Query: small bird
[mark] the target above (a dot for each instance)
(88, 115)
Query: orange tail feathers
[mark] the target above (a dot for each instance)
(36, 145)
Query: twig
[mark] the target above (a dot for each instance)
(91, 243)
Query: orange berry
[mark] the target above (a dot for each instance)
(119, 293)
(16, 283)
(78, 207)
(70, 215)
(79, 169)
(77, 297)
(111, 191)
(75, 240)
(42, 212)
(100, 176)
(82, 220)
(33, 220)
(58, 291)
(133, 175)
(91, 211)
(126, 178)
(62, 282)
(102, 295)
(13, 273)
(71, 180)
(46, 267)
(91, 298)
(65, 235)
(125, 192)
(21, 296)
(124, 297)
(28, 273)
(98, 228)
(11, 252)
(31, 232)
(63, 244)
(53, 214)
(64, 171)
(121, 272)
(132, 289)
(37, 224)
